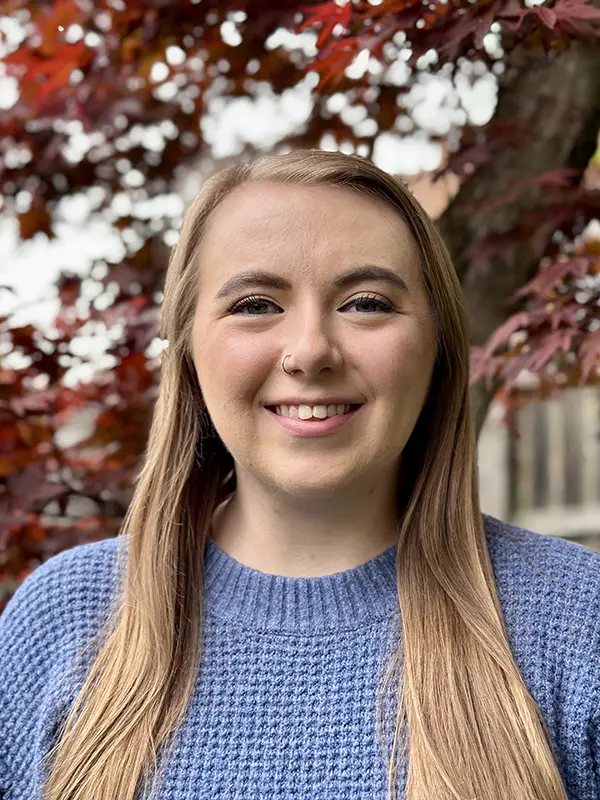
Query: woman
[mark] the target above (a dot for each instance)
(310, 474)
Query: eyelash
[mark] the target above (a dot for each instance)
(384, 305)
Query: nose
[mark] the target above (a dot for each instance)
(313, 346)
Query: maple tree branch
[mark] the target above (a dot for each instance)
(556, 99)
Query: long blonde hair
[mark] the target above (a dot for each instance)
(466, 724)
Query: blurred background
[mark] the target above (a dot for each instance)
(112, 114)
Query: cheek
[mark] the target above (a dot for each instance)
(401, 360)
(230, 365)
(404, 370)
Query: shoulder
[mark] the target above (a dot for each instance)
(549, 591)
(61, 603)
(67, 583)
(523, 557)
(545, 574)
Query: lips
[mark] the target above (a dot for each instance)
(314, 426)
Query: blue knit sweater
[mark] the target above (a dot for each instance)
(284, 706)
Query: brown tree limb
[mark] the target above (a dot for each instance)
(556, 97)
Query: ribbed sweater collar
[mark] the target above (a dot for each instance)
(342, 601)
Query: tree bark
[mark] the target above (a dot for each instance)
(557, 98)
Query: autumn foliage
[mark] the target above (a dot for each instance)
(87, 69)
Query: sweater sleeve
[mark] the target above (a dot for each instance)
(44, 631)
(595, 750)
(29, 637)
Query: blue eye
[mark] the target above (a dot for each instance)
(378, 304)
(251, 302)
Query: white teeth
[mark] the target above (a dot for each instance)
(305, 412)
(312, 412)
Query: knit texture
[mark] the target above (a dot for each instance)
(285, 702)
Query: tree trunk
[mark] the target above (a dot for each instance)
(557, 99)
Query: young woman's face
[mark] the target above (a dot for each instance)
(280, 273)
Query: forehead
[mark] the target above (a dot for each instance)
(293, 225)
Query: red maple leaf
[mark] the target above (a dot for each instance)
(327, 15)
(574, 16)
(549, 277)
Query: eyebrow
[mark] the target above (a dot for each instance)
(268, 279)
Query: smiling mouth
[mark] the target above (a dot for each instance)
(313, 413)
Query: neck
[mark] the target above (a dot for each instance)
(295, 536)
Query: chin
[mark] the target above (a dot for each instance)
(312, 484)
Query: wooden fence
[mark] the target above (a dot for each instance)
(553, 466)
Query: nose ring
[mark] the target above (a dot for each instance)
(283, 366)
